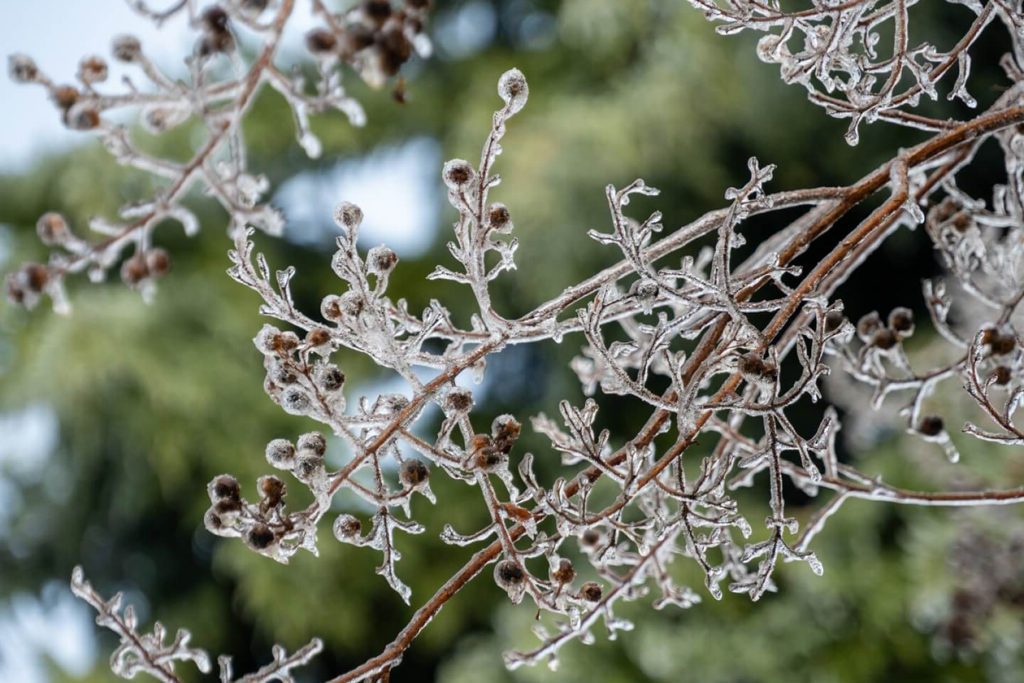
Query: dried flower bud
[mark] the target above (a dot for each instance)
(508, 574)
(459, 401)
(215, 43)
(309, 467)
(330, 308)
(52, 228)
(930, 425)
(381, 260)
(313, 442)
(498, 216)
(134, 270)
(346, 527)
(505, 431)
(320, 41)
(395, 50)
(513, 90)
(591, 538)
(83, 116)
(158, 261)
(261, 537)
(271, 340)
(224, 487)
(834, 320)
(330, 378)
(884, 339)
(591, 591)
(458, 174)
(413, 473)
(901, 321)
(22, 68)
(317, 336)
(272, 490)
(1002, 375)
(126, 48)
(92, 70)
(64, 96)
(1000, 343)
(295, 400)
(484, 455)
(281, 454)
(868, 325)
(215, 19)
(564, 572)
(352, 304)
(347, 215)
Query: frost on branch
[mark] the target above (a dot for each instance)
(148, 653)
(224, 76)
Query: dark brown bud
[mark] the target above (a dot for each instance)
(413, 473)
(508, 574)
(35, 276)
(458, 174)
(346, 527)
(314, 442)
(564, 572)
(1002, 343)
(356, 38)
(498, 216)
(65, 96)
(930, 425)
(318, 336)
(331, 378)
(459, 400)
(395, 50)
(134, 270)
(505, 431)
(52, 228)
(884, 339)
(485, 456)
(591, 537)
(281, 454)
(377, 11)
(1002, 375)
(330, 308)
(901, 321)
(591, 591)
(215, 19)
(272, 490)
(226, 506)
(868, 325)
(216, 43)
(320, 41)
(833, 320)
(755, 369)
(83, 117)
(224, 487)
(261, 537)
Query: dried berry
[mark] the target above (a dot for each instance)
(22, 68)
(563, 572)
(134, 270)
(868, 326)
(458, 174)
(158, 262)
(346, 527)
(52, 228)
(413, 473)
(126, 48)
(591, 591)
(330, 378)
(92, 70)
(505, 431)
(591, 537)
(377, 11)
(381, 260)
(498, 216)
(65, 96)
(485, 456)
(755, 369)
(459, 401)
(508, 574)
(930, 425)
(224, 487)
(281, 454)
(348, 215)
(295, 400)
(884, 339)
(313, 442)
(272, 490)
(1002, 375)
(901, 321)
(834, 320)
(321, 41)
(317, 336)
(215, 19)
(260, 537)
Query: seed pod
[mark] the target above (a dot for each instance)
(513, 90)
(320, 41)
(22, 68)
(272, 490)
(381, 260)
(563, 572)
(92, 69)
(459, 401)
(591, 538)
(591, 591)
(377, 11)
(348, 215)
(317, 336)
(1002, 375)
(82, 116)
(484, 455)
(158, 262)
(498, 216)
(134, 270)
(834, 320)
(34, 277)
(52, 228)
(756, 370)
(1002, 343)
(346, 527)
(884, 339)
(126, 48)
(901, 321)
(313, 442)
(281, 454)
(930, 425)
(395, 50)
(295, 400)
(868, 325)
(224, 487)
(330, 378)
(508, 574)
(505, 431)
(330, 308)
(260, 537)
(458, 174)
(215, 19)
(413, 473)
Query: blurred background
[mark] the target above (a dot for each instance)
(112, 420)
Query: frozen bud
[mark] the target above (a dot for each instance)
(313, 442)
(22, 68)
(215, 19)
(83, 116)
(352, 303)
(381, 260)
(320, 41)
(1002, 375)
(394, 403)
(563, 572)
(214, 523)
(484, 454)
(64, 96)
(158, 261)
(497, 216)
(590, 538)
(395, 50)
(52, 228)
(884, 339)
(377, 11)
(330, 308)
(34, 276)
(271, 340)
(459, 400)
(228, 508)
(508, 574)
(755, 369)
(346, 527)
(505, 430)
(224, 487)
(901, 321)
(458, 174)
(413, 473)
(134, 270)
(281, 454)
(330, 378)
(318, 336)
(868, 325)
(260, 537)
(126, 48)
(281, 374)
(513, 90)
(834, 320)
(272, 490)
(92, 69)
(347, 215)
(930, 425)
(591, 591)
(295, 401)
(962, 221)
(214, 43)
(999, 342)
(308, 467)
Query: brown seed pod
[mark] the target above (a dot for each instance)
(901, 321)
(930, 425)
(320, 41)
(261, 537)
(508, 574)
(280, 453)
(834, 320)
(413, 473)
(313, 442)
(884, 339)
(564, 572)
(272, 490)
(591, 591)
(224, 487)
(346, 527)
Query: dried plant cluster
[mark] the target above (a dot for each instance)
(716, 347)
